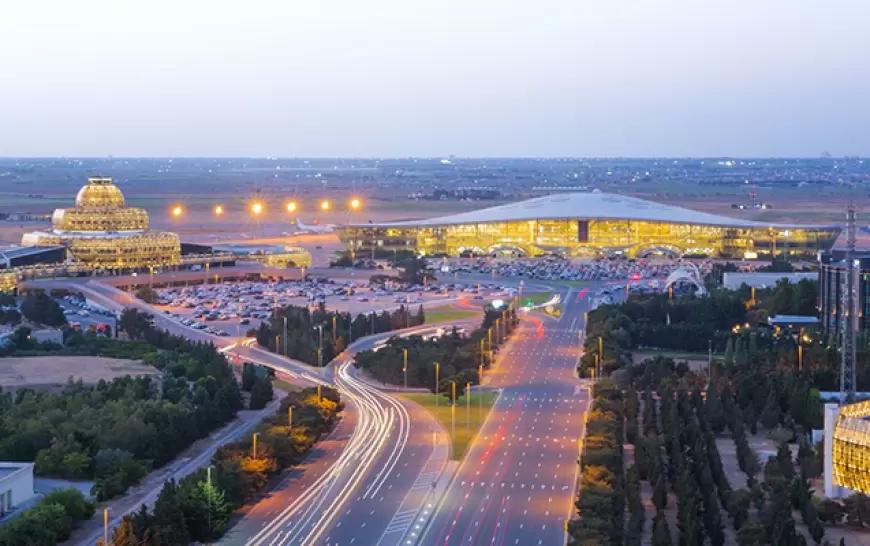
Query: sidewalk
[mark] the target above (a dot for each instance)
(193, 458)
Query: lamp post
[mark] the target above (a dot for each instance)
(437, 368)
(285, 336)
(334, 327)
(255, 445)
(320, 347)
(106, 527)
(290, 417)
(405, 367)
(208, 480)
(481, 358)
(467, 405)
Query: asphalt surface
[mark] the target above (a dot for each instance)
(516, 484)
(367, 483)
(372, 480)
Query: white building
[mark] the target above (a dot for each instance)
(16, 485)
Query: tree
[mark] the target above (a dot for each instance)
(135, 323)
(752, 533)
(261, 393)
(43, 309)
(660, 493)
(738, 506)
(206, 511)
(830, 512)
(661, 532)
(715, 412)
(249, 376)
(146, 293)
(771, 415)
(170, 526)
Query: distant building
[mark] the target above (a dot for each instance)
(733, 281)
(102, 232)
(832, 283)
(590, 224)
(16, 485)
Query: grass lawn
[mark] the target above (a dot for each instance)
(447, 314)
(444, 413)
(537, 298)
(573, 283)
(284, 386)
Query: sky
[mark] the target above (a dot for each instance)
(395, 78)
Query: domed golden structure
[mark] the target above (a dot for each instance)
(100, 231)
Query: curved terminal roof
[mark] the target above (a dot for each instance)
(604, 206)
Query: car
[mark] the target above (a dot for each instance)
(245, 321)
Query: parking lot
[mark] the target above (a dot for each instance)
(230, 309)
(560, 269)
(86, 317)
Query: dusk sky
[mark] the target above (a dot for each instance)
(393, 78)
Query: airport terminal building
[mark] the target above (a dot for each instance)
(593, 224)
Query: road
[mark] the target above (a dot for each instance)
(364, 481)
(516, 484)
(370, 478)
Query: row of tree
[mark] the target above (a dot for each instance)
(601, 501)
(459, 356)
(114, 432)
(299, 333)
(687, 323)
(198, 507)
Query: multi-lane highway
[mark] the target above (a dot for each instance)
(370, 482)
(516, 484)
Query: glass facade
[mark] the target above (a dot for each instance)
(579, 236)
(101, 232)
(832, 285)
(851, 448)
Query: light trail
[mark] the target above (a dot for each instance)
(314, 511)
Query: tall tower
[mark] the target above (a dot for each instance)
(850, 314)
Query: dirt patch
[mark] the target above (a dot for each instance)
(50, 372)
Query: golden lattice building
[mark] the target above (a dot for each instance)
(100, 231)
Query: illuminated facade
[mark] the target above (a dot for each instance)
(8, 281)
(269, 255)
(594, 224)
(101, 232)
(847, 448)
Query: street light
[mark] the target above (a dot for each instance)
(324, 205)
(291, 206)
(177, 211)
(355, 203)
(437, 368)
(218, 210)
(320, 348)
(257, 208)
(255, 444)
(405, 367)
